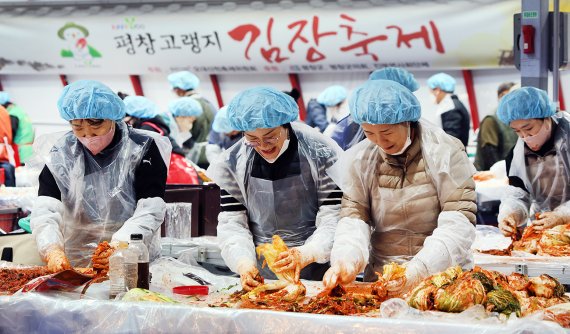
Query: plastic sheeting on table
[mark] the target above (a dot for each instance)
(57, 313)
(35, 313)
(168, 273)
(19, 197)
(27, 176)
(489, 237)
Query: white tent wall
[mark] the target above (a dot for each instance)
(38, 94)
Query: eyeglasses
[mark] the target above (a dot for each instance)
(256, 143)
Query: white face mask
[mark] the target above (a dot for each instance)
(283, 149)
(405, 147)
(535, 142)
(185, 124)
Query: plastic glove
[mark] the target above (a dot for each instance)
(235, 239)
(415, 272)
(339, 275)
(249, 275)
(548, 220)
(147, 218)
(508, 225)
(56, 260)
(293, 259)
(46, 223)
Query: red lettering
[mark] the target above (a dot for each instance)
(239, 33)
(364, 46)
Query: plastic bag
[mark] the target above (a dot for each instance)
(181, 171)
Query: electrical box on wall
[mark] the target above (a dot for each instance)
(524, 40)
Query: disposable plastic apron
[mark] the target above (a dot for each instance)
(101, 198)
(100, 211)
(549, 183)
(288, 208)
(398, 240)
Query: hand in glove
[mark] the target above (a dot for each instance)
(397, 288)
(249, 276)
(339, 274)
(56, 260)
(508, 225)
(546, 220)
(293, 259)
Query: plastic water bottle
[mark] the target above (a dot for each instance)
(117, 270)
(131, 268)
(138, 247)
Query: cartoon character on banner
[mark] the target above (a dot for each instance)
(77, 46)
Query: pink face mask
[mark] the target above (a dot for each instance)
(96, 144)
(535, 142)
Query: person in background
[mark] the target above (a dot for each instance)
(184, 84)
(222, 136)
(316, 115)
(187, 112)
(332, 98)
(408, 191)
(495, 139)
(294, 93)
(22, 127)
(538, 166)
(454, 117)
(142, 113)
(6, 149)
(347, 132)
(325, 111)
(122, 95)
(166, 118)
(274, 181)
(102, 181)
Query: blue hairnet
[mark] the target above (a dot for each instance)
(443, 81)
(383, 102)
(140, 107)
(525, 103)
(185, 106)
(397, 74)
(221, 122)
(90, 99)
(184, 80)
(332, 96)
(261, 108)
(4, 97)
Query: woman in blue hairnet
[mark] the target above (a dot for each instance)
(222, 136)
(325, 111)
(408, 192)
(184, 84)
(101, 181)
(274, 181)
(142, 113)
(186, 112)
(539, 165)
(347, 132)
